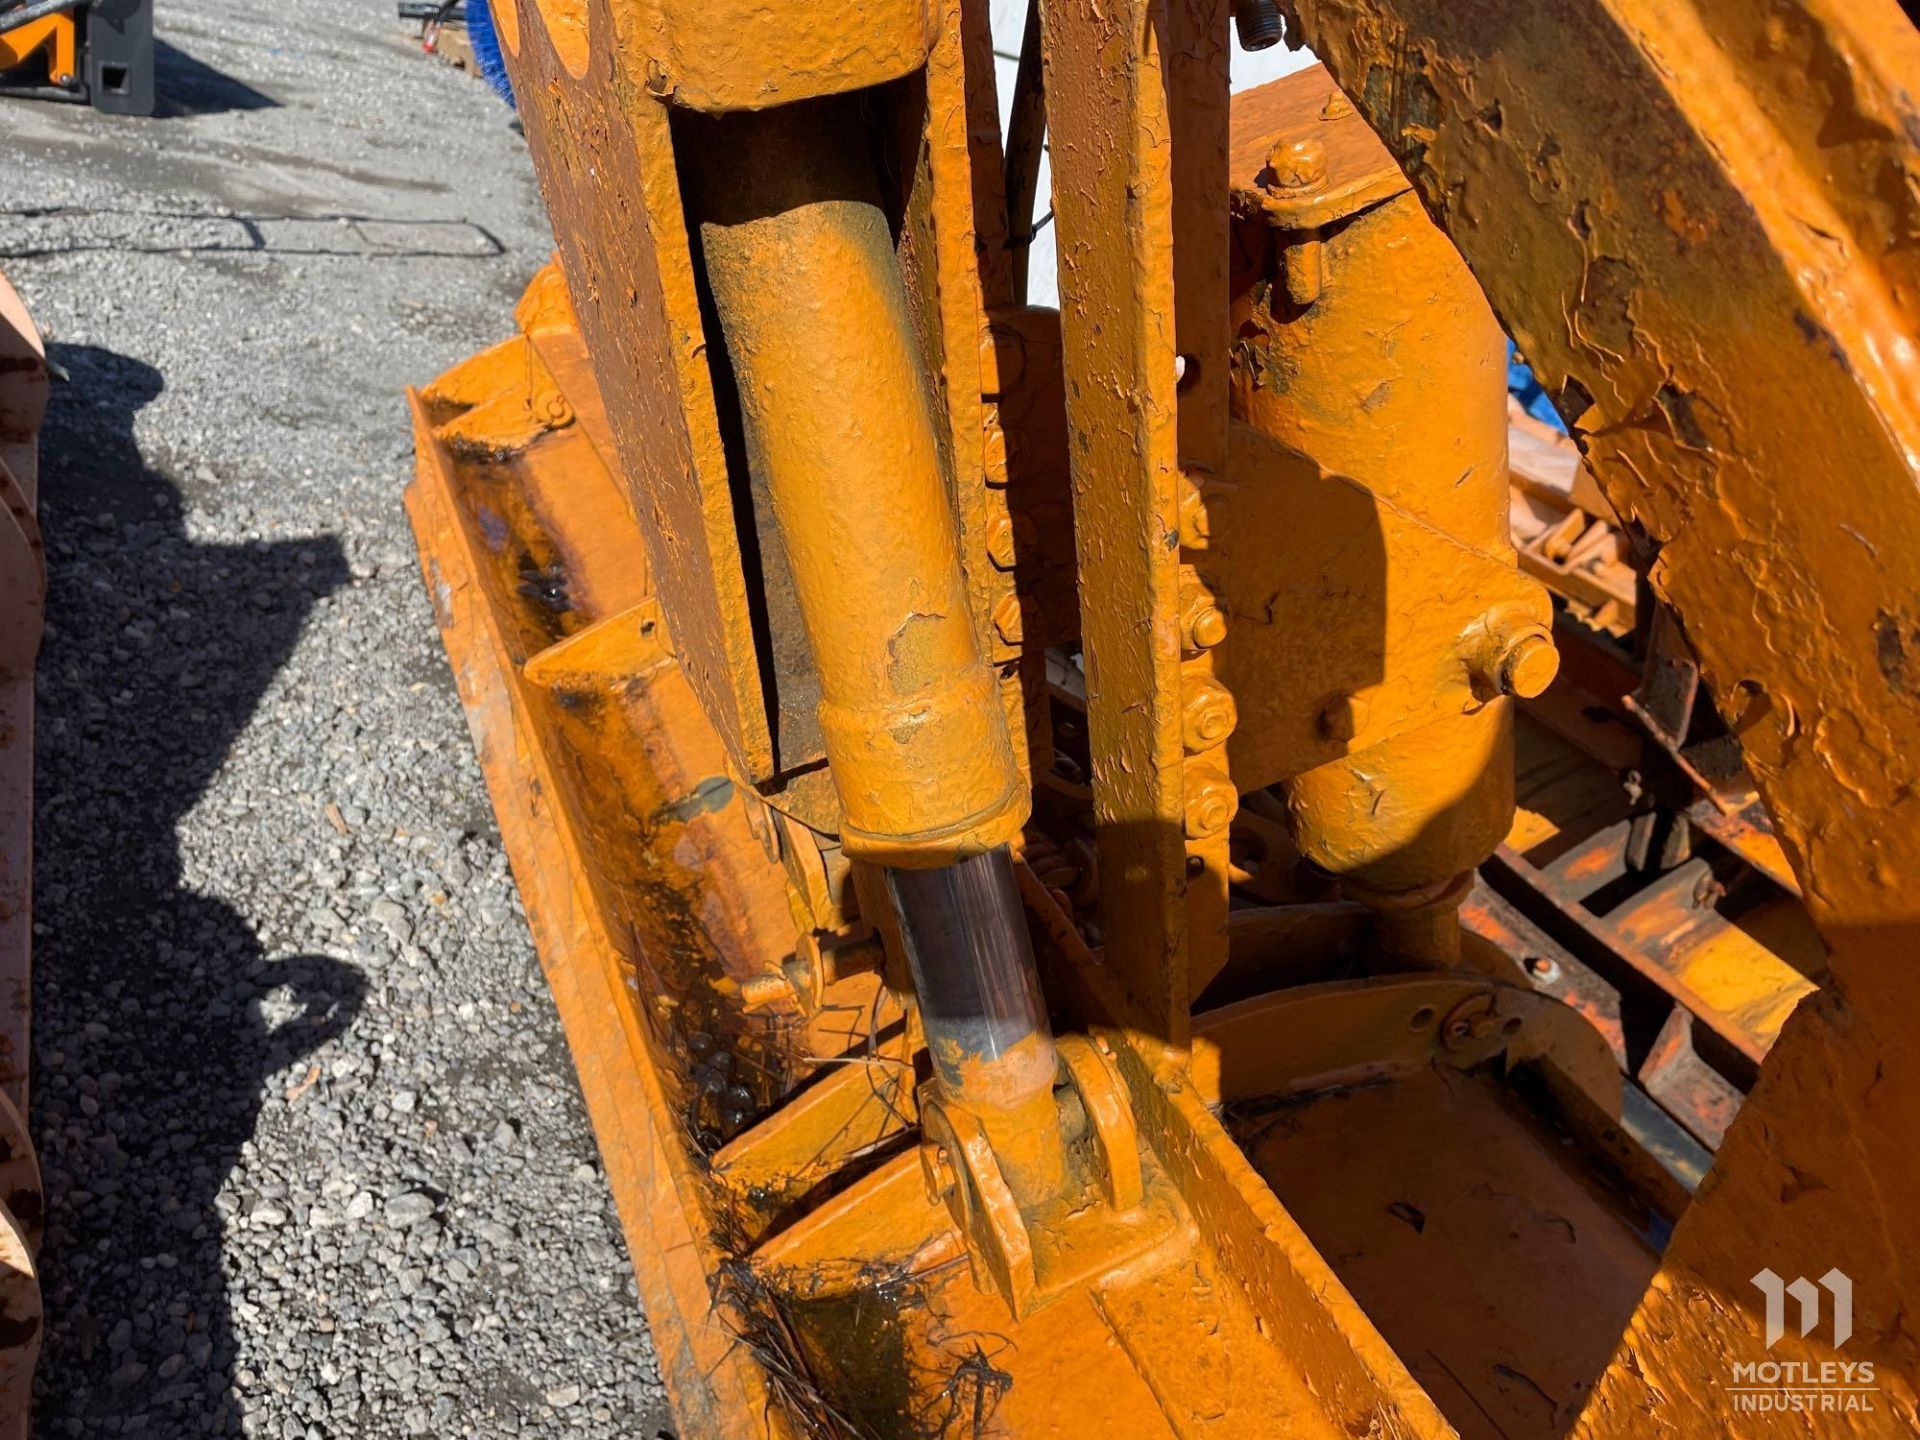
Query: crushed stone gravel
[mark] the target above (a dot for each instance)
(316, 1160)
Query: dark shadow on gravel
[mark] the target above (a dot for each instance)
(158, 1021)
(186, 86)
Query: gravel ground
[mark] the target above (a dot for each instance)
(316, 1160)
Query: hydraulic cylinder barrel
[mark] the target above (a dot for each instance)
(836, 409)
(838, 419)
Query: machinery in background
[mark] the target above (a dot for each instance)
(461, 32)
(1077, 900)
(443, 29)
(97, 52)
(1642, 881)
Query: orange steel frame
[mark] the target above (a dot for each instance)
(23, 403)
(57, 35)
(1231, 587)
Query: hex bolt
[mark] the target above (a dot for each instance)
(1206, 626)
(1000, 542)
(1007, 535)
(1297, 165)
(1200, 513)
(1257, 24)
(1007, 621)
(1211, 804)
(940, 1172)
(1543, 968)
(993, 445)
(1207, 717)
(1528, 664)
(1202, 625)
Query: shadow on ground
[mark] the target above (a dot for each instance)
(186, 87)
(157, 1018)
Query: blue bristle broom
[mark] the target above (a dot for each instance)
(486, 48)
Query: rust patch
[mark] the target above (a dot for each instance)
(1680, 408)
(1894, 645)
(913, 652)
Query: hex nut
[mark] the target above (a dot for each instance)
(1207, 717)
(1212, 802)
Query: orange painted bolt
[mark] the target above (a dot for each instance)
(1297, 164)
(1207, 627)
(1338, 107)
(993, 445)
(1000, 542)
(1007, 621)
(1202, 625)
(1207, 717)
(940, 1172)
(1528, 664)
(1007, 535)
(1200, 513)
(1211, 804)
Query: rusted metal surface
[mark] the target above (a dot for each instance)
(607, 175)
(640, 942)
(1345, 1199)
(23, 578)
(1687, 957)
(1684, 213)
(556, 698)
(1386, 392)
(1689, 1089)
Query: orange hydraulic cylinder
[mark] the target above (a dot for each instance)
(836, 407)
(838, 420)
